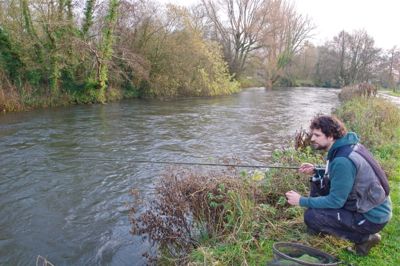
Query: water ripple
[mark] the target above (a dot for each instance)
(66, 173)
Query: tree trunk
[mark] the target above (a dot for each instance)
(88, 20)
(106, 49)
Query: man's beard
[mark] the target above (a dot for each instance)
(319, 147)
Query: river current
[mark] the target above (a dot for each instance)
(66, 173)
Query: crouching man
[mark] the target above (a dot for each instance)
(350, 197)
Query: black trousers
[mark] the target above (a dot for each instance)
(340, 222)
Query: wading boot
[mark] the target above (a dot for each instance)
(362, 249)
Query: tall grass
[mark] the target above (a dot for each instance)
(377, 122)
(374, 119)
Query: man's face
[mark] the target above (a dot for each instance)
(320, 141)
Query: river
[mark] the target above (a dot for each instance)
(66, 173)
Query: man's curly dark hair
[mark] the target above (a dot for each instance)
(331, 126)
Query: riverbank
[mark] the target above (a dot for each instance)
(13, 101)
(240, 220)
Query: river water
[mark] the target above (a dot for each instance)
(66, 173)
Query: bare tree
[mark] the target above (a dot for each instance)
(357, 56)
(388, 68)
(394, 67)
(283, 38)
(237, 25)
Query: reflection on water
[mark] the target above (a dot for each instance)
(65, 174)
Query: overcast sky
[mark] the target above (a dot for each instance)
(380, 18)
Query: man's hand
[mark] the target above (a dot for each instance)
(293, 197)
(307, 168)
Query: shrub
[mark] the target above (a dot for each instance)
(363, 89)
(190, 207)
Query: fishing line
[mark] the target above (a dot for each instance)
(182, 163)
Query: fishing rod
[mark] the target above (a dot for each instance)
(198, 163)
(214, 164)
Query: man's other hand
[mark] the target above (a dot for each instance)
(293, 197)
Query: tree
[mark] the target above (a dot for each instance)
(9, 59)
(90, 51)
(303, 64)
(388, 68)
(326, 68)
(357, 57)
(282, 39)
(88, 17)
(394, 67)
(348, 59)
(106, 49)
(237, 26)
(129, 68)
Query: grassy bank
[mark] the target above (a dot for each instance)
(233, 218)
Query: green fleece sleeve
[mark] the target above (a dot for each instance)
(342, 174)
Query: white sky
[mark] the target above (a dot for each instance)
(380, 18)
